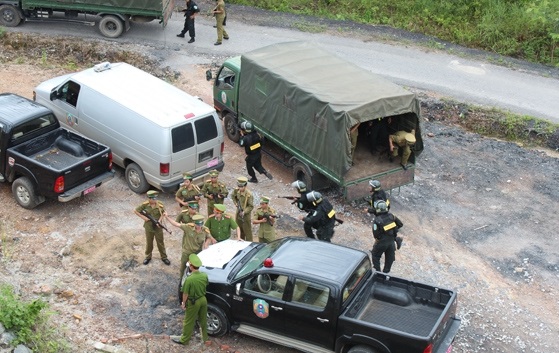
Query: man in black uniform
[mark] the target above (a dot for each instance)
(385, 229)
(252, 142)
(302, 203)
(321, 218)
(377, 194)
(189, 13)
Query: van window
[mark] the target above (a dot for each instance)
(69, 93)
(206, 129)
(183, 137)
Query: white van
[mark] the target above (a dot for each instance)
(155, 130)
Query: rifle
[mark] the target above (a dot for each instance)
(292, 198)
(155, 221)
(267, 217)
(240, 210)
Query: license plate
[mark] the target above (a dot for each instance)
(213, 162)
(449, 350)
(88, 190)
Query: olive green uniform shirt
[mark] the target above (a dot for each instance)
(266, 232)
(184, 194)
(246, 202)
(218, 188)
(221, 229)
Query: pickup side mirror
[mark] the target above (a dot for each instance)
(238, 289)
(208, 75)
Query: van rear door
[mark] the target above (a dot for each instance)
(208, 138)
(183, 157)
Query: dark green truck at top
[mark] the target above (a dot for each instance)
(305, 100)
(115, 15)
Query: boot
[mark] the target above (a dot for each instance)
(398, 241)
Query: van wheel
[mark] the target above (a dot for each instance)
(9, 16)
(217, 321)
(231, 129)
(111, 26)
(303, 172)
(24, 193)
(362, 349)
(135, 178)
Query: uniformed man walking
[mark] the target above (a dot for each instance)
(189, 14)
(322, 218)
(244, 201)
(193, 238)
(188, 191)
(385, 229)
(220, 14)
(252, 142)
(265, 216)
(220, 226)
(156, 210)
(214, 191)
(377, 194)
(194, 302)
(404, 140)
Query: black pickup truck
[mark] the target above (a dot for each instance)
(320, 297)
(43, 160)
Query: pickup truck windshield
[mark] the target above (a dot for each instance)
(257, 259)
(28, 128)
(356, 278)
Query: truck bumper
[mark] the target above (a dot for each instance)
(85, 188)
(448, 338)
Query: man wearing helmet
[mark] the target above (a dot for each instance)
(302, 203)
(405, 141)
(252, 142)
(321, 218)
(385, 229)
(377, 194)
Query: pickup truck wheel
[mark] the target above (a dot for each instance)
(24, 193)
(9, 16)
(111, 26)
(135, 178)
(303, 172)
(362, 349)
(231, 129)
(218, 325)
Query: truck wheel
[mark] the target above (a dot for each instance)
(231, 129)
(303, 172)
(362, 349)
(135, 178)
(24, 193)
(111, 26)
(9, 16)
(218, 325)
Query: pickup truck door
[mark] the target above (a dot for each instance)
(260, 302)
(65, 104)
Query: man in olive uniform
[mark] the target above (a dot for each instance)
(156, 210)
(214, 191)
(220, 226)
(404, 140)
(252, 142)
(219, 12)
(187, 192)
(243, 199)
(385, 229)
(266, 217)
(322, 217)
(189, 14)
(193, 238)
(185, 216)
(194, 302)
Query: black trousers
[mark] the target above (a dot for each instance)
(189, 27)
(254, 161)
(386, 247)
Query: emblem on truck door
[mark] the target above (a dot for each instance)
(223, 97)
(261, 308)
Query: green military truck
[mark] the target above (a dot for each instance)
(113, 16)
(306, 100)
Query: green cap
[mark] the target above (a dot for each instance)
(193, 204)
(194, 260)
(214, 173)
(198, 219)
(219, 207)
(242, 181)
(264, 199)
(187, 176)
(152, 194)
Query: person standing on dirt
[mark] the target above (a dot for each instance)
(155, 209)
(404, 140)
(385, 230)
(189, 14)
(221, 225)
(214, 191)
(301, 202)
(219, 12)
(194, 302)
(252, 142)
(187, 192)
(193, 238)
(322, 217)
(265, 216)
(185, 216)
(244, 201)
(377, 194)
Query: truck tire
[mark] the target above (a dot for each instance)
(9, 16)
(231, 128)
(303, 172)
(218, 325)
(111, 26)
(24, 193)
(362, 349)
(135, 178)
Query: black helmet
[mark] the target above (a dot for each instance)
(375, 184)
(381, 207)
(246, 126)
(314, 196)
(299, 185)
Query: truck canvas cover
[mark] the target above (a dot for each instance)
(315, 99)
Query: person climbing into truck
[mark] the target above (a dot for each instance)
(322, 217)
(401, 140)
(377, 194)
(385, 230)
(252, 142)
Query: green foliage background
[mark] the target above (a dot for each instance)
(524, 29)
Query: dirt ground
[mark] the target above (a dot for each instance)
(480, 218)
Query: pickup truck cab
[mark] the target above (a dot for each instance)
(320, 297)
(43, 160)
